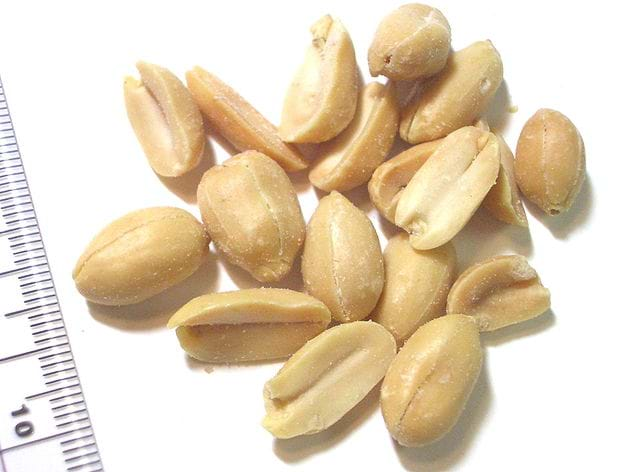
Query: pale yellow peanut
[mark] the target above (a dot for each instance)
(165, 119)
(252, 214)
(455, 97)
(348, 160)
(325, 379)
(449, 187)
(321, 100)
(239, 122)
(503, 200)
(248, 325)
(499, 292)
(411, 42)
(342, 262)
(429, 382)
(139, 255)
(416, 286)
(550, 161)
(391, 177)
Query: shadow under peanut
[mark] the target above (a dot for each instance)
(242, 279)
(484, 237)
(520, 330)
(186, 186)
(497, 113)
(297, 449)
(562, 225)
(156, 311)
(450, 450)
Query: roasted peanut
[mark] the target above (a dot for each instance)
(449, 187)
(503, 200)
(248, 325)
(411, 42)
(499, 292)
(165, 119)
(238, 122)
(342, 262)
(140, 255)
(391, 177)
(321, 100)
(325, 379)
(348, 160)
(430, 380)
(455, 97)
(416, 286)
(251, 212)
(550, 161)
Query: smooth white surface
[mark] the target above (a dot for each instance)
(557, 393)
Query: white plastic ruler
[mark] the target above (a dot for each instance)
(44, 422)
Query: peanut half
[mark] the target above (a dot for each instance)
(321, 100)
(503, 200)
(550, 161)
(391, 177)
(349, 159)
(455, 97)
(342, 262)
(325, 379)
(165, 119)
(238, 122)
(252, 213)
(411, 42)
(248, 325)
(416, 286)
(449, 187)
(140, 255)
(430, 380)
(499, 292)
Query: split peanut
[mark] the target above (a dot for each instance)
(499, 292)
(248, 325)
(165, 119)
(325, 379)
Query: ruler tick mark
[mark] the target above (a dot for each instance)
(49, 392)
(67, 405)
(62, 415)
(58, 371)
(51, 382)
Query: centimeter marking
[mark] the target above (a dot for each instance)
(42, 316)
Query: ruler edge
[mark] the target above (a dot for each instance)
(53, 283)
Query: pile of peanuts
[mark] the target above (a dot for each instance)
(409, 295)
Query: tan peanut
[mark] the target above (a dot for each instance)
(455, 97)
(499, 292)
(321, 100)
(165, 119)
(139, 255)
(391, 177)
(503, 200)
(342, 262)
(348, 160)
(238, 122)
(429, 382)
(449, 187)
(325, 379)
(252, 214)
(550, 161)
(411, 42)
(416, 286)
(248, 325)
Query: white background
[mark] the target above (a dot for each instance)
(556, 393)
